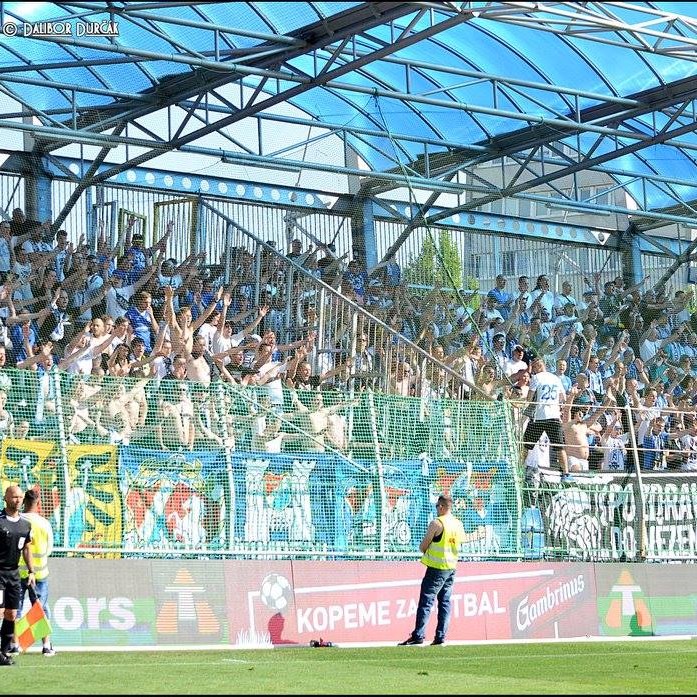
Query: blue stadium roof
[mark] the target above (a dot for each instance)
(418, 90)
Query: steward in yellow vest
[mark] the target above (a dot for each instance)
(444, 547)
(41, 546)
(440, 547)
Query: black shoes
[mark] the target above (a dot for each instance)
(411, 641)
(5, 660)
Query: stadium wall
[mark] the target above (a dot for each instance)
(148, 602)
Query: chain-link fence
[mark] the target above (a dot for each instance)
(163, 467)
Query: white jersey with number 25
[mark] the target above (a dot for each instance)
(549, 395)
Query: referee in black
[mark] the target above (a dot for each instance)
(15, 535)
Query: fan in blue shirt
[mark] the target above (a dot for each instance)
(655, 442)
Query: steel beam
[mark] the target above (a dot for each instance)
(86, 138)
(549, 122)
(209, 74)
(338, 128)
(629, 149)
(83, 184)
(420, 219)
(594, 21)
(280, 39)
(312, 200)
(562, 90)
(76, 87)
(292, 92)
(547, 130)
(564, 205)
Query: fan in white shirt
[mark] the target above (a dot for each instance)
(5, 242)
(614, 444)
(542, 296)
(118, 295)
(23, 270)
(548, 395)
(564, 298)
(516, 363)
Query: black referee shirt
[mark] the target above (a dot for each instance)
(14, 535)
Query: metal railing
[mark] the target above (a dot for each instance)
(301, 303)
(633, 496)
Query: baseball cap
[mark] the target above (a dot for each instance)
(518, 347)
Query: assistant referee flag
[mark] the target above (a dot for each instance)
(32, 626)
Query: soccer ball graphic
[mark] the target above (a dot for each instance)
(276, 592)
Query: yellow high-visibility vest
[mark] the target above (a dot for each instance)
(444, 553)
(41, 546)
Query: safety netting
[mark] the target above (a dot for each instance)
(148, 467)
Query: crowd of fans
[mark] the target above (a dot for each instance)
(140, 341)
(613, 347)
(127, 311)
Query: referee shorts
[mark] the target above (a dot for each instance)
(10, 589)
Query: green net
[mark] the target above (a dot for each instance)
(167, 467)
(610, 516)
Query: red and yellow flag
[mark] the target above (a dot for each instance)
(32, 626)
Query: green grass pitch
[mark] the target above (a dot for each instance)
(632, 667)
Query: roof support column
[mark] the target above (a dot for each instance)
(631, 256)
(364, 238)
(37, 191)
(201, 228)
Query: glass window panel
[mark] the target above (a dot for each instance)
(624, 71)
(327, 9)
(245, 16)
(287, 16)
(541, 210)
(508, 267)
